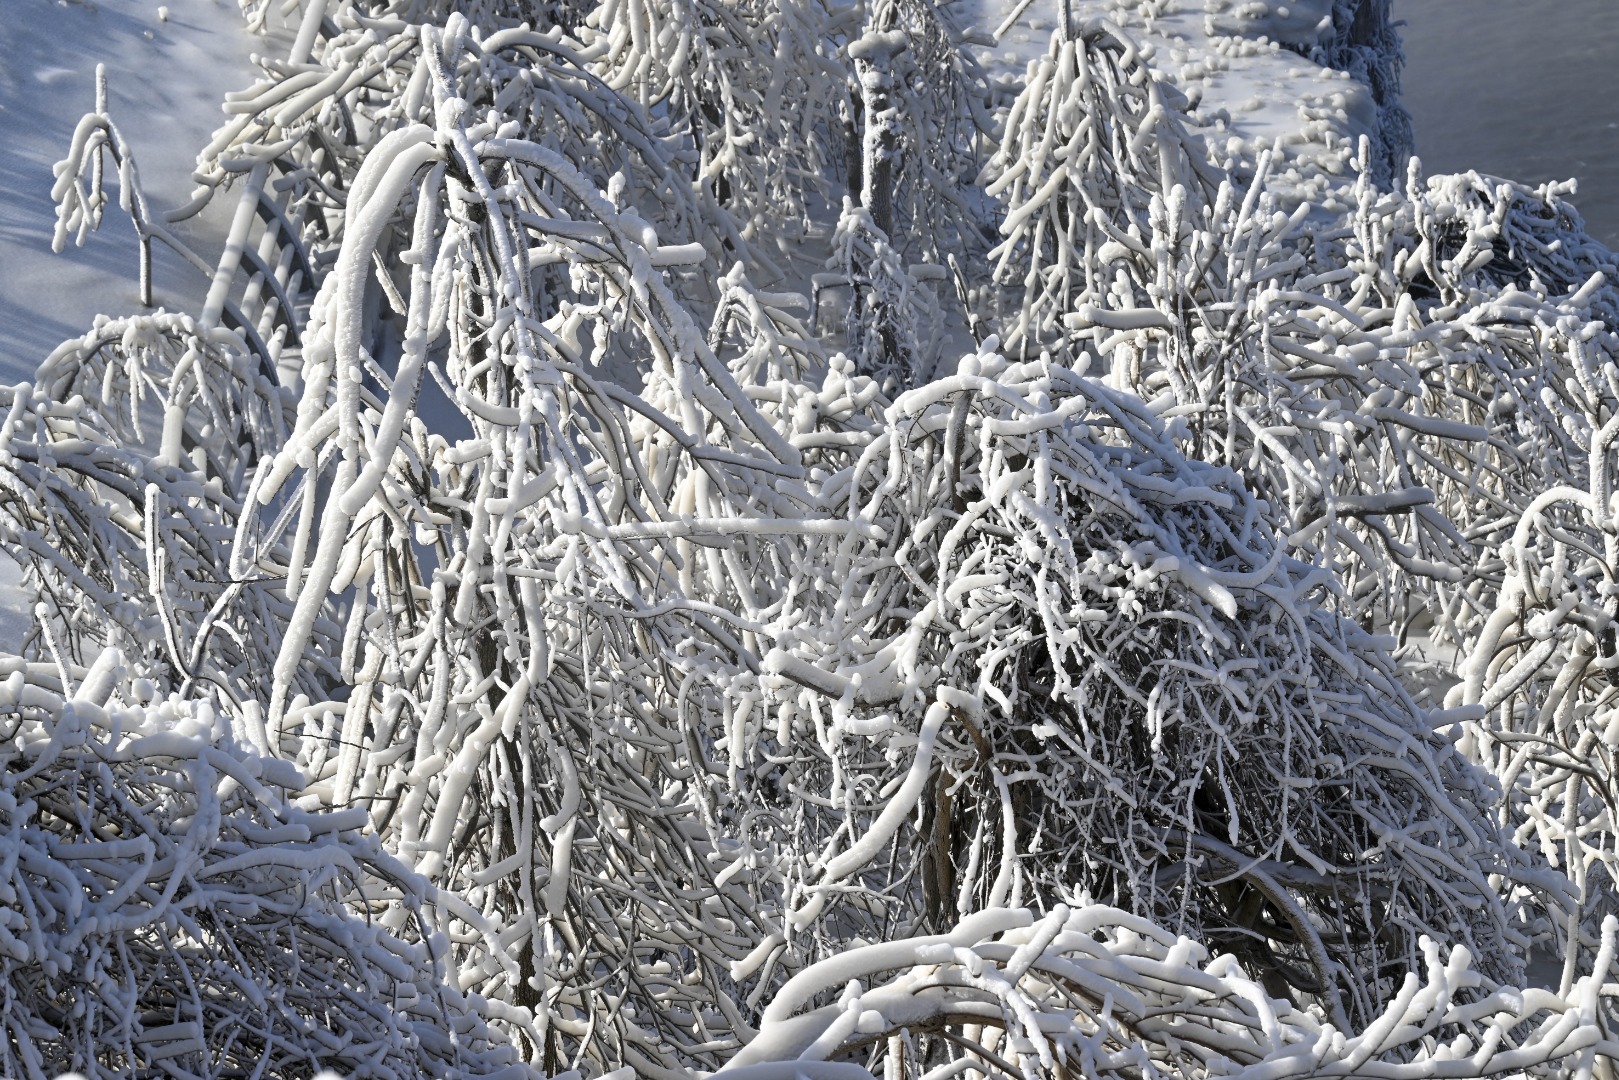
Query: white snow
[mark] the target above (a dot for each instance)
(47, 82)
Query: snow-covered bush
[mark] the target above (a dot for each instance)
(1100, 176)
(167, 906)
(122, 471)
(1116, 680)
(643, 661)
(1405, 387)
(1539, 676)
(753, 89)
(1376, 378)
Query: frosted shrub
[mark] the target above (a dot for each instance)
(168, 907)
(121, 474)
(1354, 372)
(751, 88)
(518, 589)
(1539, 677)
(1093, 141)
(1132, 680)
(552, 652)
(1405, 387)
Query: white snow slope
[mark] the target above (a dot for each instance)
(167, 77)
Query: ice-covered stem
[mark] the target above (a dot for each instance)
(78, 209)
(874, 56)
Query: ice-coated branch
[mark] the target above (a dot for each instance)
(79, 207)
(1093, 991)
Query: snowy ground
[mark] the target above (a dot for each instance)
(166, 80)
